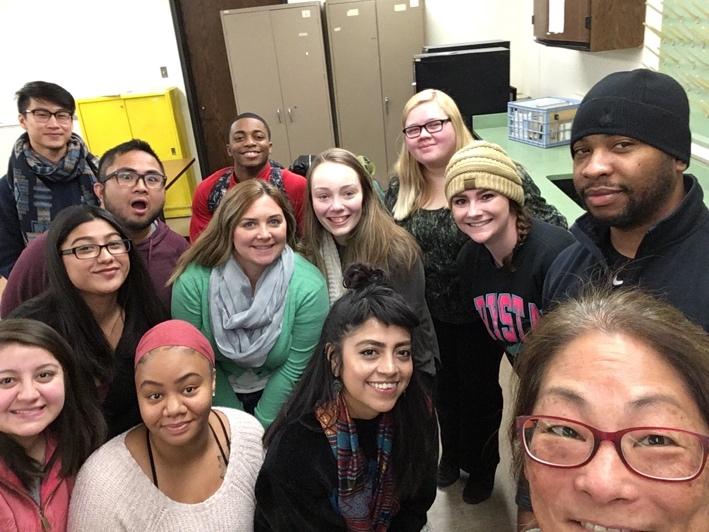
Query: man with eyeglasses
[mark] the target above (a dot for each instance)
(131, 186)
(50, 168)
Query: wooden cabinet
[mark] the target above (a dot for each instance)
(155, 118)
(591, 25)
(372, 44)
(277, 62)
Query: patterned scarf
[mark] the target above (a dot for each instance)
(365, 492)
(222, 185)
(29, 174)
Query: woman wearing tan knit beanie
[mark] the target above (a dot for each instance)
(503, 265)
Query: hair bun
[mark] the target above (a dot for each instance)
(359, 276)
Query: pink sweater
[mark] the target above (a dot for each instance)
(19, 511)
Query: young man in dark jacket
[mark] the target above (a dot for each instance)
(647, 224)
(50, 168)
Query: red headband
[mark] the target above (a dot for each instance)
(174, 333)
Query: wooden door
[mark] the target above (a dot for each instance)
(298, 36)
(254, 72)
(401, 36)
(206, 72)
(354, 52)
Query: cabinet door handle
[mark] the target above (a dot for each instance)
(278, 114)
(386, 104)
(290, 115)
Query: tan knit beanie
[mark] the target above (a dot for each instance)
(485, 165)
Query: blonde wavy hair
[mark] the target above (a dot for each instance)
(413, 192)
(216, 243)
(376, 241)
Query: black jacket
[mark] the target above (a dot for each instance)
(297, 485)
(672, 261)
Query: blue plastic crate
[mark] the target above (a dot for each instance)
(544, 122)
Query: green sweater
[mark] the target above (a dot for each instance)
(306, 308)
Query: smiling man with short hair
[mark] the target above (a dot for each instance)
(249, 145)
(647, 225)
(50, 168)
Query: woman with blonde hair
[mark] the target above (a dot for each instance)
(345, 223)
(469, 401)
(259, 303)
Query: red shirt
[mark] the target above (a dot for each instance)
(293, 184)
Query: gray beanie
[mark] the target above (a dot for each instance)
(642, 104)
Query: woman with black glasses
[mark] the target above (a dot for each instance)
(612, 416)
(100, 299)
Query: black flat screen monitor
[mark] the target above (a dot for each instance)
(435, 48)
(478, 80)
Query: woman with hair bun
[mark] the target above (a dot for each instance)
(355, 446)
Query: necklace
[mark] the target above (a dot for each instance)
(224, 460)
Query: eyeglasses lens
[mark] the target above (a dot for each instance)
(658, 453)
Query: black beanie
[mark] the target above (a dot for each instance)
(642, 104)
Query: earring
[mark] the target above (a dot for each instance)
(336, 386)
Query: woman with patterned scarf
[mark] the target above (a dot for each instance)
(355, 446)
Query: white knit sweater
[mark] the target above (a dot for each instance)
(113, 493)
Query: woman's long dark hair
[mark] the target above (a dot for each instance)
(414, 422)
(79, 428)
(72, 317)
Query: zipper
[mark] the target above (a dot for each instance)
(46, 525)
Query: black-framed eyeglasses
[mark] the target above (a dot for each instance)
(658, 453)
(432, 126)
(129, 178)
(91, 251)
(43, 115)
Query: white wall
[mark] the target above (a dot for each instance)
(536, 70)
(91, 48)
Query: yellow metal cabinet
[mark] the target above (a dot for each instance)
(110, 120)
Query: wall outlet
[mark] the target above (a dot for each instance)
(163, 71)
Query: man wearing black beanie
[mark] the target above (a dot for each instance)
(647, 224)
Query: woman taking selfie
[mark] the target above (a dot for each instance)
(612, 416)
(259, 303)
(187, 466)
(355, 446)
(99, 297)
(345, 223)
(49, 424)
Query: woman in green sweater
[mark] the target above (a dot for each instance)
(259, 303)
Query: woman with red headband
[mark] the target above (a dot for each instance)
(188, 466)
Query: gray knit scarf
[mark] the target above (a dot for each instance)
(246, 324)
(333, 268)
